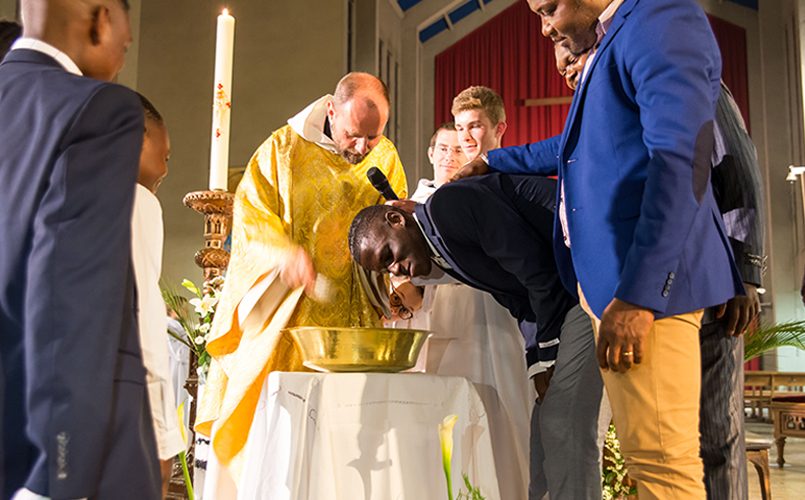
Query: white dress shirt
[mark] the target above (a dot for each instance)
(146, 250)
(50, 50)
(604, 22)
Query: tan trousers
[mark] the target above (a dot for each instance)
(655, 408)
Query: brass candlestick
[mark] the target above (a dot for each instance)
(216, 206)
(217, 209)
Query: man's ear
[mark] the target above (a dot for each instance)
(330, 109)
(100, 24)
(395, 219)
(430, 154)
(500, 129)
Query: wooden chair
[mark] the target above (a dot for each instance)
(757, 453)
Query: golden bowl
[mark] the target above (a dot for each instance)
(358, 349)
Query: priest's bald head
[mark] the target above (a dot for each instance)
(358, 114)
(95, 34)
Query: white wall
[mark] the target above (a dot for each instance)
(287, 54)
(8, 9)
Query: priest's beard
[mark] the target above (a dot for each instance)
(351, 156)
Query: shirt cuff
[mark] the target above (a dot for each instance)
(540, 367)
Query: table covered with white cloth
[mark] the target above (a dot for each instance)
(364, 436)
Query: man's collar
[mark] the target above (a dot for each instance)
(435, 256)
(605, 19)
(38, 45)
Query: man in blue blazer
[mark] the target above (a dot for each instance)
(76, 422)
(637, 224)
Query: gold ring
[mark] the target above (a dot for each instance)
(627, 353)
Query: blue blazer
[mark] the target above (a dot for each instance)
(634, 158)
(72, 381)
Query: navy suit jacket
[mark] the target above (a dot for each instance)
(70, 150)
(495, 231)
(634, 157)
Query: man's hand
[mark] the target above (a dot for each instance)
(298, 271)
(472, 168)
(404, 205)
(620, 336)
(541, 382)
(740, 310)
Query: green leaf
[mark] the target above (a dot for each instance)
(768, 337)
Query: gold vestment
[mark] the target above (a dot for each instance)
(293, 193)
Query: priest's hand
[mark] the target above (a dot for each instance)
(470, 169)
(541, 382)
(298, 270)
(404, 205)
(623, 328)
(740, 310)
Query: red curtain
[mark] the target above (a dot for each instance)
(509, 54)
(732, 42)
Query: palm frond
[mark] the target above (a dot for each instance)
(768, 337)
(178, 304)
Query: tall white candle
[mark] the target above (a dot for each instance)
(222, 101)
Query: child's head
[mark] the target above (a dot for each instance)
(156, 148)
(480, 120)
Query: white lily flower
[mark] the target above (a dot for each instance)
(204, 306)
(204, 328)
(199, 340)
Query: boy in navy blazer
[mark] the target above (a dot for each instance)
(76, 421)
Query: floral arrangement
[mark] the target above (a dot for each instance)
(446, 440)
(196, 322)
(616, 483)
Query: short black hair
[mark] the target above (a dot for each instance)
(9, 31)
(363, 222)
(150, 110)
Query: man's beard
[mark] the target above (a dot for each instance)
(351, 156)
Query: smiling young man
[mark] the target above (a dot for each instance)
(480, 120)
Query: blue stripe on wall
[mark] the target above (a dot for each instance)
(432, 30)
(463, 11)
(407, 4)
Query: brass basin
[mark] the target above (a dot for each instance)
(358, 349)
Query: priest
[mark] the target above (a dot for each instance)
(290, 264)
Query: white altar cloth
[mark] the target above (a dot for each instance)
(364, 436)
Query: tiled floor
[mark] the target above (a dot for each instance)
(787, 483)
